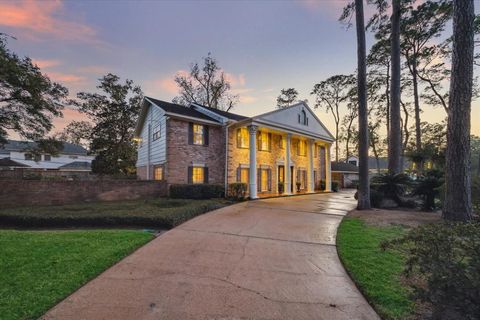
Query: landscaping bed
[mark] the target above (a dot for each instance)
(40, 268)
(160, 213)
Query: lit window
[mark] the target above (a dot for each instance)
(198, 175)
(243, 175)
(158, 173)
(198, 130)
(281, 174)
(264, 141)
(302, 178)
(302, 148)
(47, 157)
(242, 138)
(156, 133)
(282, 142)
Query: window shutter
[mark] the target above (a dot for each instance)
(269, 141)
(205, 135)
(239, 172)
(259, 140)
(269, 177)
(190, 133)
(205, 175)
(189, 174)
(259, 180)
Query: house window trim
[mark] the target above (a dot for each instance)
(191, 174)
(246, 145)
(260, 141)
(47, 157)
(157, 132)
(155, 168)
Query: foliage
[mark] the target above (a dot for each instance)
(197, 191)
(428, 187)
(335, 186)
(320, 185)
(376, 198)
(28, 99)
(476, 195)
(444, 261)
(237, 190)
(286, 98)
(114, 115)
(393, 186)
(40, 268)
(155, 213)
(376, 272)
(76, 132)
(475, 155)
(206, 85)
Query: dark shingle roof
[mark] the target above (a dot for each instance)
(180, 110)
(7, 162)
(344, 167)
(77, 165)
(225, 114)
(68, 148)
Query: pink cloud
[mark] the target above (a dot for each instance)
(45, 64)
(68, 116)
(67, 78)
(93, 69)
(43, 18)
(235, 80)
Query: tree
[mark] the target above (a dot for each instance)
(330, 94)
(206, 85)
(394, 141)
(114, 115)
(458, 200)
(28, 99)
(286, 98)
(76, 132)
(364, 184)
(475, 155)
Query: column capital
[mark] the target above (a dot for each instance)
(289, 135)
(252, 129)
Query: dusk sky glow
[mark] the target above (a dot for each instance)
(263, 46)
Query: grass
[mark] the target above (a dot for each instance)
(40, 268)
(376, 272)
(155, 213)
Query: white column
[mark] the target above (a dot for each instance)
(311, 180)
(288, 173)
(328, 169)
(253, 161)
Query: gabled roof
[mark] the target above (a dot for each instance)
(76, 165)
(344, 167)
(226, 114)
(7, 162)
(178, 109)
(68, 148)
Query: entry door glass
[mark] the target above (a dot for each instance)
(281, 174)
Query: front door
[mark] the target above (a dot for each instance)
(281, 179)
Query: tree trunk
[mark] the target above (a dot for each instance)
(418, 132)
(364, 184)
(394, 142)
(336, 142)
(387, 95)
(458, 201)
(405, 134)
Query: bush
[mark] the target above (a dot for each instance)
(393, 186)
(197, 191)
(320, 185)
(237, 190)
(281, 187)
(476, 194)
(443, 263)
(376, 198)
(428, 188)
(334, 186)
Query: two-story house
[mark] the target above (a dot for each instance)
(286, 150)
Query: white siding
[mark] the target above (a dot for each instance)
(54, 163)
(158, 148)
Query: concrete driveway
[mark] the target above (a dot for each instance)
(263, 259)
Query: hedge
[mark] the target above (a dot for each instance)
(196, 191)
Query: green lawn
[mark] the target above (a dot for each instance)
(376, 272)
(40, 268)
(155, 213)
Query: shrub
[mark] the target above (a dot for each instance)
(320, 185)
(393, 186)
(376, 198)
(428, 187)
(476, 194)
(237, 190)
(196, 191)
(335, 186)
(443, 263)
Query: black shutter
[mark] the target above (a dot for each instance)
(190, 133)
(205, 135)
(269, 177)
(269, 141)
(205, 175)
(259, 180)
(259, 140)
(239, 172)
(189, 175)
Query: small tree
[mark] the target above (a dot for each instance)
(76, 132)
(206, 85)
(286, 98)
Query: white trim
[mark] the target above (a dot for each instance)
(210, 113)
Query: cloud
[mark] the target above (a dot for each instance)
(67, 78)
(69, 115)
(247, 99)
(335, 6)
(45, 64)
(235, 81)
(37, 19)
(93, 69)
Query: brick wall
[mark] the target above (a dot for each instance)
(15, 193)
(181, 155)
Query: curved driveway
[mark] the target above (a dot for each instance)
(264, 259)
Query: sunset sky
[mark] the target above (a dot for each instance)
(263, 46)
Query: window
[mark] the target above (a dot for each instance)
(158, 173)
(302, 118)
(242, 138)
(28, 156)
(302, 178)
(302, 148)
(47, 157)
(198, 134)
(264, 179)
(264, 141)
(282, 142)
(243, 175)
(198, 175)
(156, 132)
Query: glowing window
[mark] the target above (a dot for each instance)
(263, 141)
(302, 148)
(264, 180)
(242, 138)
(158, 173)
(198, 137)
(198, 175)
(244, 175)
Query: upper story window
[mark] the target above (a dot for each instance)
(156, 132)
(282, 142)
(47, 157)
(302, 148)
(198, 134)
(302, 118)
(242, 138)
(264, 141)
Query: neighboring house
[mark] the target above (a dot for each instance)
(196, 144)
(16, 154)
(345, 173)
